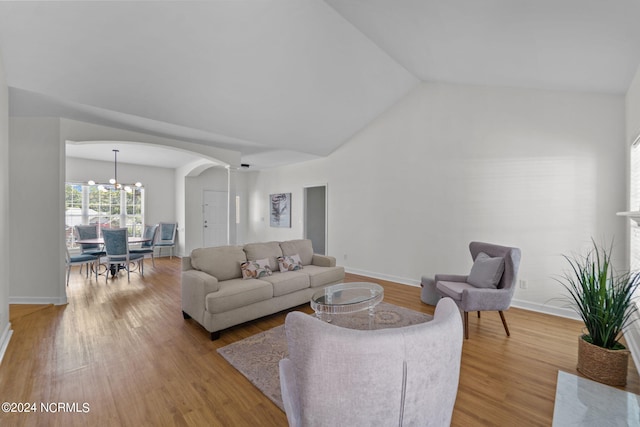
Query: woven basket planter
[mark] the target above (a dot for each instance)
(601, 364)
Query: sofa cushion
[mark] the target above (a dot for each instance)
(287, 282)
(255, 269)
(237, 293)
(222, 262)
(486, 271)
(320, 276)
(290, 263)
(269, 250)
(301, 247)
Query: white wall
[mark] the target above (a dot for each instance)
(160, 202)
(632, 103)
(449, 164)
(36, 209)
(5, 326)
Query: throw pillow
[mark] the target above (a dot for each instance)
(290, 263)
(255, 269)
(486, 271)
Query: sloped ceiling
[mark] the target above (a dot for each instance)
(289, 80)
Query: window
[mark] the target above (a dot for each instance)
(104, 205)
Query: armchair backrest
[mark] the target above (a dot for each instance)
(511, 261)
(396, 376)
(115, 241)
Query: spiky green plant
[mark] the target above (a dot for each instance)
(602, 298)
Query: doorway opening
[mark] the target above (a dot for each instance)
(315, 217)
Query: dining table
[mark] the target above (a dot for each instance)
(112, 268)
(100, 240)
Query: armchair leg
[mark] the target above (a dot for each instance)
(478, 315)
(504, 323)
(466, 325)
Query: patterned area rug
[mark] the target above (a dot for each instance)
(257, 357)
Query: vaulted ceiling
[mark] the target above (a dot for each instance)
(290, 80)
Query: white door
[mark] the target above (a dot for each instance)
(215, 218)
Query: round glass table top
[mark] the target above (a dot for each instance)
(347, 298)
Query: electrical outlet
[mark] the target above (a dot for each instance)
(523, 284)
(345, 257)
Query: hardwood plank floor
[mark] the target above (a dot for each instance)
(125, 350)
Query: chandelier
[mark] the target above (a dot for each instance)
(113, 182)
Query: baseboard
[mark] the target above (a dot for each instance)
(4, 340)
(525, 305)
(387, 277)
(545, 309)
(38, 300)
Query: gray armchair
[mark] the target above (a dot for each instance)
(399, 376)
(490, 284)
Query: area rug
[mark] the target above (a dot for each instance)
(257, 357)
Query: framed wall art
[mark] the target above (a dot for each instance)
(280, 210)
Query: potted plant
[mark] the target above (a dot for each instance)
(603, 299)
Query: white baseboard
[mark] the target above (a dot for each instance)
(4, 340)
(525, 305)
(38, 300)
(395, 279)
(546, 309)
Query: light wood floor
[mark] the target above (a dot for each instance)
(125, 350)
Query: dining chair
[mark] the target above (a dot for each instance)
(82, 259)
(117, 249)
(148, 247)
(167, 237)
(89, 232)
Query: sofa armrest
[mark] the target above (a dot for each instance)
(196, 285)
(450, 278)
(323, 260)
(186, 263)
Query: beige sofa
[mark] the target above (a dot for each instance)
(215, 294)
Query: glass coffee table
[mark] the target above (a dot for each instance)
(346, 298)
